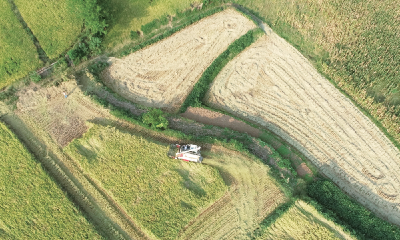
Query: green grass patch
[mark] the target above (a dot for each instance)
(195, 98)
(18, 54)
(160, 193)
(32, 205)
(125, 16)
(56, 24)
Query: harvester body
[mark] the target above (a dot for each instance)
(189, 152)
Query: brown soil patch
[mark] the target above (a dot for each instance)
(62, 118)
(272, 84)
(303, 170)
(163, 74)
(221, 120)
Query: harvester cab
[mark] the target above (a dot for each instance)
(188, 152)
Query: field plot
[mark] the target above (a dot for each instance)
(56, 24)
(160, 193)
(252, 195)
(273, 85)
(303, 221)
(32, 205)
(18, 55)
(163, 74)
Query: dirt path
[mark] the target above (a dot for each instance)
(272, 84)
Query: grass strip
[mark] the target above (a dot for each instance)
(351, 212)
(200, 88)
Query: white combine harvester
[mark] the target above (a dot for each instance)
(189, 152)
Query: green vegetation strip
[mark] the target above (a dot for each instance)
(18, 54)
(32, 205)
(351, 212)
(201, 87)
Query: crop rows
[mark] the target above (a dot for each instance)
(163, 74)
(18, 54)
(272, 84)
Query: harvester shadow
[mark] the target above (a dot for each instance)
(189, 184)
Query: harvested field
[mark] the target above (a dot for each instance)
(273, 85)
(303, 221)
(163, 74)
(63, 118)
(252, 195)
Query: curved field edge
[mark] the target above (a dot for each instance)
(160, 194)
(384, 116)
(194, 99)
(32, 204)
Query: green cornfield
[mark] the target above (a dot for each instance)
(32, 205)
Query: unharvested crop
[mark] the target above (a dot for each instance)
(160, 193)
(56, 24)
(302, 221)
(32, 205)
(272, 84)
(163, 74)
(18, 55)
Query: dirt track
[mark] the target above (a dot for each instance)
(163, 74)
(272, 84)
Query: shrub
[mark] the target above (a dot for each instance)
(155, 119)
(35, 77)
(351, 212)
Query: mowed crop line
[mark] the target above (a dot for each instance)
(252, 195)
(163, 74)
(303, 221)
(272, 84)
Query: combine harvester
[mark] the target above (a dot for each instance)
(189, 152)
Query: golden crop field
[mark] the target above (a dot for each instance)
(32, 205)
(303, 221)
(56, 24)
(18, 55)
(161, 194)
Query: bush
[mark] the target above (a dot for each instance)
(351, 212)
(155, 119)
(35, 77)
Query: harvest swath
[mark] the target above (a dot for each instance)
(161, 194)
(163, 74)
(32, 205)
(303, 221)
(252, 195)
(56, 24)
(272, 84)
(18, 55)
